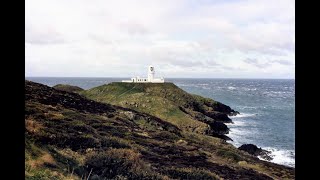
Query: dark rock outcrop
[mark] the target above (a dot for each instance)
(218, 106)
(51, 96)
(254, 150)
(218, 116)
(68, 88)
(219, 127)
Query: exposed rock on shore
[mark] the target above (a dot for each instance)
(254, 150)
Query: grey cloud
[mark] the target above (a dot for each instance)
(47, 35)
(134, 28)
(290, 46)
(272, 51)
(211, 63)
(184, 63)
(186, 60)
(230, 68)
(251, 61)
(279, 50)
(99, 39)
(194, 63)
(256, 63)
(283, 62)
(181, 61)
(266, 49)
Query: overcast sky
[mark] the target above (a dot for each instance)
(181, 38)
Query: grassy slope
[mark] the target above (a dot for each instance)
(146, 99)
(161, 100)
(68, 136)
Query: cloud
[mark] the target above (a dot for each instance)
(283, 62)
(191, 38)
(256, 63)
(266, 64)
(42, 35)
(134, 28)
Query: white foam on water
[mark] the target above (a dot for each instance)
(247, 107)
(237, 123)
(241, 115)
(249, 89)
(240, 134)
(236, 128)
(283, 157)
(231, 88)
(183, 85)
(237, 131)
(205, 88)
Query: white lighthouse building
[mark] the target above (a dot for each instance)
(151, 78)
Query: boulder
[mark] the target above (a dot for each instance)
(254, 150)
(219, 127)
(218, 116)
(130, 115)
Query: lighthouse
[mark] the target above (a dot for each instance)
(151, 73)
(150, 79)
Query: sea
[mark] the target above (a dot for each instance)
(266, 106)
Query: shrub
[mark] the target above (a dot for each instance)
(191, 173)
(118, 162)
(165, 135)
(114, 142)
(41, 174)
(229, 154)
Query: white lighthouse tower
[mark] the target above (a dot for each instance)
(151, 78)
(151, 73)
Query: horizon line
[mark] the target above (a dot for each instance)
(164, 78)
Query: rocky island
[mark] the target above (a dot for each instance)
(133, 131)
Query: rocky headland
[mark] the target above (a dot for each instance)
(134, 131)
(188, 112)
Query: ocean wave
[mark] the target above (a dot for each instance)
(192, 85)
(247, 107)
(241, 136)
(237, 131)
(249, 89)
(204, 84)
(281, 156)
(183, 85)
(241, 115)
(237, 123)
(232, 88)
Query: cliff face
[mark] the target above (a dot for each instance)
(170, 103)
(71, 137)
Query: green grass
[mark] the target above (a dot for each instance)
(229, 154)
(160, 100)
